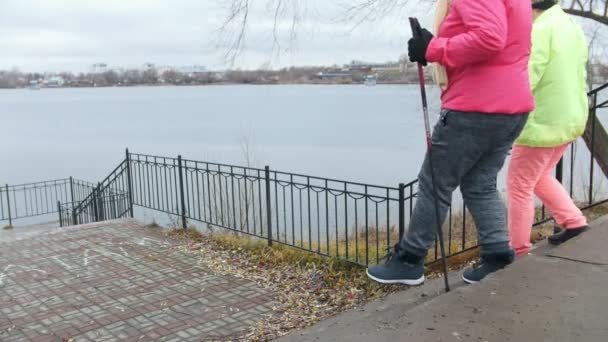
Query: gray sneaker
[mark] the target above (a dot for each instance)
(399, 268)
(489, 264)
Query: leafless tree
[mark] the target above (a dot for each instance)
(596, 53)
(150, 76)
(234, 28)
(172, 76)
(376, 10)
(110, 77)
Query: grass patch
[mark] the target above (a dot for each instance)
(8, 227)
(597, 212)
(460, 235)
(191, 234)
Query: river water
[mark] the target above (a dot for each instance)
(358, 133)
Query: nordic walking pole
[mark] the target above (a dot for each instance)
(416, 31)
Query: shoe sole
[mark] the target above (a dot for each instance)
(409, 282)
(468, 281)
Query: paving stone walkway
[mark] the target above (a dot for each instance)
(116, 281)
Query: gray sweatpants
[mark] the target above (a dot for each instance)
(469, 149)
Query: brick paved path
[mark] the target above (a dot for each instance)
(116, 281)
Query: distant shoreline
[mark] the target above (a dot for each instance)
(213, 84)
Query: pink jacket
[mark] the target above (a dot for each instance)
(485, 47)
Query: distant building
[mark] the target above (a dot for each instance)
(33, 84)
(54, 82)
(164, 69)
(359, 67)
(395, 67)
(334, 75)
(366, 68)
(193, 69)
(400, 66)
(99, 68)
(219, 76)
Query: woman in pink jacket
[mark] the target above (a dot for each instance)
(484, 46)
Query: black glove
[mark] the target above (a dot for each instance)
(416, 47)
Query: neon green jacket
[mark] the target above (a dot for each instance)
(558, 78)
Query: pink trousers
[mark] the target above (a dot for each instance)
(531, 173)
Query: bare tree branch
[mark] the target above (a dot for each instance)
(371, 10)
(234, 27)
(287, 15)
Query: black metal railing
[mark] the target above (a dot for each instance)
(110, 199)
(103, 206)
(38, 199)
(330, 217)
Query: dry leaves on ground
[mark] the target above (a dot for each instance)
(306, 288)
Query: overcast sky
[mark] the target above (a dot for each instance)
(70, 35)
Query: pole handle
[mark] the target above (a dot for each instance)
(416, 28)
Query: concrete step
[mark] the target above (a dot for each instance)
(553, 294)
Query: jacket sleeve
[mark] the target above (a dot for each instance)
(541, 51)
(485, 36)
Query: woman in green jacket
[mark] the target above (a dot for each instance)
(558, 79)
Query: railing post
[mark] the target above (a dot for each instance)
(559, 171)
(60, 214)
(72, 191)
(8, 205)
(268, 204)
(401, 211)
(592, 167)
(181, 191)
(559, 175)
(100, 202)
(95, 199)
(112, 211)
(129, 184)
